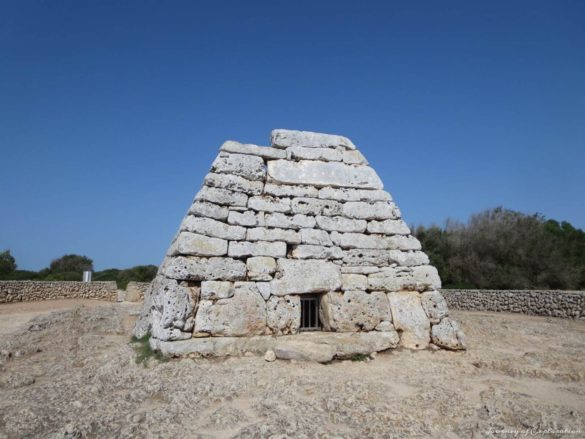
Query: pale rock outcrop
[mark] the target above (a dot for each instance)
(283, 314)
(434, 305)
(410, 319)
(448, 334)
(354, 311)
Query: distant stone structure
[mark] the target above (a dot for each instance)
(299, 236)
(30, 290)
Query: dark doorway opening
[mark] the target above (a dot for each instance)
(310, 313)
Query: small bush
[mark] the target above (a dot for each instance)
(143, 350)
(359, 357)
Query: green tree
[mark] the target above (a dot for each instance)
(71, 263)
(7, 263)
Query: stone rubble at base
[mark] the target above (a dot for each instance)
(307, 215)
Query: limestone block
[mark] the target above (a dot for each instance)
(247, 218)
(197, 268)
(408, 258)
(354, 158)
(353, 281)
(262, 151)
(341, 224)
(172, 305)
(264, 234)
(188, 243)
(353, 311)
(214, 290)
(261, 268)
(389, 227)
(315, 237)
(359, 269)
(421, 278)
(265, 289)
(288, 138)
(234, 183)
(222, 196)
(213, 228)
(248, 166)
(434, 305)
(400, 242)
(366, 257)
(345, 194)
(320, 174)
(244, 314)
(316, 206)
(359, 240)
(269, 203)
(283, 314)
(448, 334)
(378, 210)
(386, 325)
(304, 351)
(259, 248)
(279, 190)
(409, 317)
(365, 343)
(316, 252)
(305, 276)
(325, 154)
(282, 221)
(209, 210)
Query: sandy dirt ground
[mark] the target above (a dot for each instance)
(67, 370)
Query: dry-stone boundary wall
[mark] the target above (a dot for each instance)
(565, 304)
(30, 291)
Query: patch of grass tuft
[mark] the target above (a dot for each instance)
(359, 357)
(144, 352)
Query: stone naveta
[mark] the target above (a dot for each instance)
(297, 248)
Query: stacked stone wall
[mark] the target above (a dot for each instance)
(565, 304)
(30, 291)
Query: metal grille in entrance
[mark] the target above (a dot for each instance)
(309, 313)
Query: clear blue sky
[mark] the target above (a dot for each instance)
(111, 112)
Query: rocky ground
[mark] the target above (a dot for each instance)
(71, 372)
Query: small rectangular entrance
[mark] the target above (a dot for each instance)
(310, 313)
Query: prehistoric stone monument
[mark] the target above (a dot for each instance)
(297, 238)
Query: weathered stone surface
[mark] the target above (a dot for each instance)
(305, 276)
(248, 166)
(378, 210)
(209, 210)
(316, 206)
(341, 224)
(434, 305)
(234, 183)
(214, 290)
(364, 343)
(172, 304)
(282, 221)
(222, 196)
(262, 151)
(264, 234)
(325, 154)
(289, 138)
(259, 248)
(345, 194)
(386, 326)
(400, 242)
(213, 228)
(247, 218)
(316, 252)
(304, 351)
(359, 240)
(320, 174)
(408, 258)
(215, 346)
(353, 311)
(409, 317)
(270, 356)
(421, 278)
(315, 236)
(285, 190)
(448, 334)
(197, 268)
(389, 227)
(269, 204)
(265, 289)
(283, 314)
(366, 257)
(359, 269)
(354, 281)
(242, 314)
(354, 158)
(261, 268)
(188, 243)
